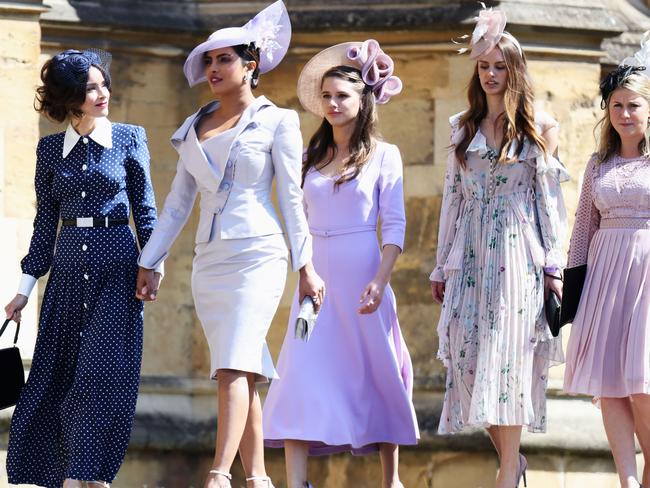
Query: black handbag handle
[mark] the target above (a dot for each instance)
(4, 326)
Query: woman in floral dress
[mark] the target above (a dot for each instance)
(501, 231)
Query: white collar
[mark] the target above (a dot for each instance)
(102, 134)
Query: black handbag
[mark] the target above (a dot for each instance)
(558, 314)
(574, 281)
(552, 309)
(12, 377)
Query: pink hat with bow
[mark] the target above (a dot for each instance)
(270, 30)
(375, 65)
(490, 25)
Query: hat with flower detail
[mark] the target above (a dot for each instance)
(375, 65)
(71, 66)
(269, 31)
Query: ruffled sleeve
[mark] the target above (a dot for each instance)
(587, 219)
(551, 210)
(452, 202)
(549, 201)
(391, 198)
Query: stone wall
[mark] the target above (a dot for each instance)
(174, 432)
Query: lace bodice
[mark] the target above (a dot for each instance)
(615, 193)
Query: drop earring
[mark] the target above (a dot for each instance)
(248, 76)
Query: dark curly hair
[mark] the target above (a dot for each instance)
(248, 52)
(64, 81)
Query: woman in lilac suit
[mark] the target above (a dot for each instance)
(231, 151)
(348, 388)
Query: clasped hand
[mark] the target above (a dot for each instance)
(147, 284)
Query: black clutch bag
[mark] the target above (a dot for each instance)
(552, 309)
(574, 281)
(12, 378)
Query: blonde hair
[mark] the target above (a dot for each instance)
(519, 99)
(609, 142)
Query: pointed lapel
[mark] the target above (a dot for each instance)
(185, 140)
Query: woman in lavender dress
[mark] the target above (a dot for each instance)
(349, 387)
(609, 349)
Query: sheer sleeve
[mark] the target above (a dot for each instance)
(452, 202)
(551, 210)
(587, 219)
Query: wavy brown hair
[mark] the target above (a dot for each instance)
(58, 100)
(321, 150)
(519, 123)
(609, 142)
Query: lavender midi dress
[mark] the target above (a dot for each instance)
(349, 387)
(609, 349)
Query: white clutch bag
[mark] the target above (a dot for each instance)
(306, 320)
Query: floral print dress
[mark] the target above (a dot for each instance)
(500, 224)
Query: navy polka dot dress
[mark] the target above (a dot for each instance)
(74, 417)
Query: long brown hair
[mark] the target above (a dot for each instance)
(609, 142)
(322, 149)
(519, 122)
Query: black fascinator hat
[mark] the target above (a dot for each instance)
(615, 80)
(71, 67)
(64, 80)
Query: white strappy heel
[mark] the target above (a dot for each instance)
(216, 472)
(262, 478)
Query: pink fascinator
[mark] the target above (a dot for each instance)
(375, 65)
(270, 30)
(490, 25)
(376, 70)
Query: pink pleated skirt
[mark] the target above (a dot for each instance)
(609, 348)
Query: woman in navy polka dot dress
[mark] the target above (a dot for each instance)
(72, 424)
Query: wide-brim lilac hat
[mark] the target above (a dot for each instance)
(270, 30)
(376, 70)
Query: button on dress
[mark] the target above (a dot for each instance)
(500, 224)
(75, 413)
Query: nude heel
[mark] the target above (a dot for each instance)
(262, 478)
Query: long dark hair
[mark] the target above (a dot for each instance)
(519, 115)
(321, 150)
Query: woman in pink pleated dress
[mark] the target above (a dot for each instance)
(608, 355)
(348, 388)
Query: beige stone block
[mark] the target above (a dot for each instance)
(408, 123)
(423, 75)
(422, 215)
(578, 80)
(423, 180)
(444, 108)
(418, 323)
(462, 469)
